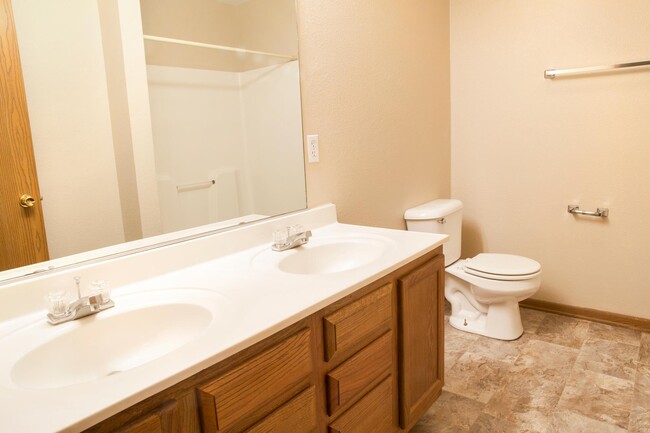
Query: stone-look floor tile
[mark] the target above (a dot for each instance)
(639, 420)
(609, 357)
(527, 400)
(614, 333)
(642, 387)
(456, 344)
(500, 350)
(450, 359)
(447, 308)
(566, 421)
(531, 319)
(562, 330)
(451, 413)
(476, 377)
(598, 396)
(550, 386)
(488, 424)
(644, 354)
(543, 359)
(457, 340)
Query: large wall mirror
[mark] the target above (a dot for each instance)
(159, 116)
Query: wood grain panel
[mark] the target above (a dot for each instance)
(373, 413)
(160, 420)
(296, 416)
(358, 321)
(421, 349)
(257, 386)
(345, 382)
(21, 229)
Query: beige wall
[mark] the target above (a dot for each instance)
(523, 148)
(375, 87)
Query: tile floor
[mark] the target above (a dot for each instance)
(563, 375)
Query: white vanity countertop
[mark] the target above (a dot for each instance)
(255, 301)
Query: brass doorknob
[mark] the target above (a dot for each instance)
(27, 200)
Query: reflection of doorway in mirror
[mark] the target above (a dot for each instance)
(22, 233)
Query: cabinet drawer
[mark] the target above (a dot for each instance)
(162, 420)
(345, 382)
(358, 321)
(373, 413)
(257, 386)
(298, 415)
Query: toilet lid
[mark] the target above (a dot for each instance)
(502, 267)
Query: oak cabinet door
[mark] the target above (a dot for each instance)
(421, 348)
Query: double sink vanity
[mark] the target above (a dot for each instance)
(222, 334)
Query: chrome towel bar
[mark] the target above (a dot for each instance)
(600, 212)
(552, 73)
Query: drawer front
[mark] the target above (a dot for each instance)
(373, 413)
(257, 386)
(345, 382)
(298, 415)
(163, 419)
(358, 321)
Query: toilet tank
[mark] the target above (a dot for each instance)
(444, 216)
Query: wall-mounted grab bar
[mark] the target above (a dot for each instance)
(196, 185)
(552, 73)
(600, 212)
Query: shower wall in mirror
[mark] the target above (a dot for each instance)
(225, 108)
(154, 116)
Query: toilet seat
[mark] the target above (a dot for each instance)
(502, 267)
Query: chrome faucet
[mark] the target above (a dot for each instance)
(290, 237)
(61, 310)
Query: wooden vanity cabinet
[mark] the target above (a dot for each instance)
(370, 362)
(267, 385)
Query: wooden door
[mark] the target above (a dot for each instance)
(22, 232)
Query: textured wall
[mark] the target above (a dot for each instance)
(375, 87)
(523, 147)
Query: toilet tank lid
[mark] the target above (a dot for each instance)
(434, 209)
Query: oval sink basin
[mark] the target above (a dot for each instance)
(330, 258)
(113, 341)
(325, 255)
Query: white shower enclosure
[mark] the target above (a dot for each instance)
(236, 135)
(224, 91)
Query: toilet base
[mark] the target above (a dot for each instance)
(501, 321)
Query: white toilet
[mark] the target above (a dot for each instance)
(484, 291)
